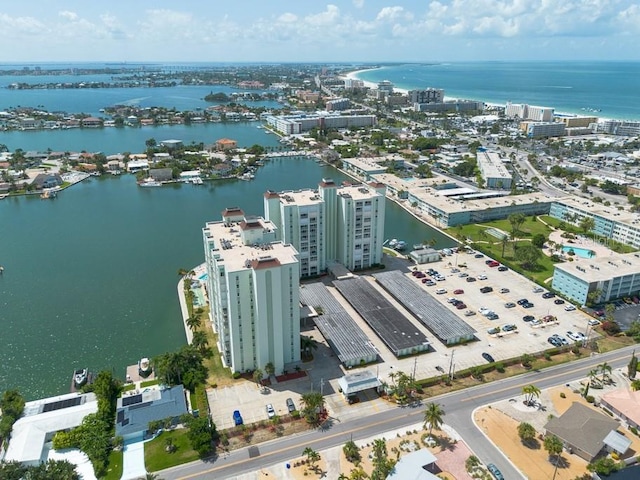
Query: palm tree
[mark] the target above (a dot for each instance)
(257, 377)
(433, 416)
(593, 375)
(526, 432)
(199, 340)
(525, 360)
(605, 370)
(312, 456)
(530, 391)
(307, 344)
(193, 322)
(553, 445)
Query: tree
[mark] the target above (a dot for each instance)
(313, 404)
(193, 322)
(538, 240)
(553, 445)
(505, 240)
(382, 466)
(12, 406)
(605, 466)
(352, 452)
(313, 457)
(632, 368)
(199, 340)
(526, 360)
(635, 385)
(605, 370)
(181, 367)
(201, 434)
(516, 220)
(306, 345)
(530, 392)
(527, 256)
(358, 473)
(257, 377)
(270, 368)
(433, 416)
(587, 224)
(526, 432)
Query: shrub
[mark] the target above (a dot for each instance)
(236, 375)
(500, 367)
(633, 430)
(590, 398)
(547, 356)
(611, 328)
(562, 395)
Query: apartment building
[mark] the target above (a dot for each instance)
(493, 170)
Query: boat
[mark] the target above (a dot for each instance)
(197, 181)
(392, 243)
(149, 182)
(48, 194)
(144, 367)
(400, 245)
(80, 377)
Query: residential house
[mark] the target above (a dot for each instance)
(161, 174)
(225, 144)
(47, 180)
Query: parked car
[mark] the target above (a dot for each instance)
(482, 277)
(510, 327)
(484, 310)
(290, 405)
(577, 336)
(522, 301)
(538, 289)
(430, 283)
(555, 341)
(469, 313)
(270, 411)
(458, 291)
(569, 308)
(497, 474)
(478, 255)
(593, 322)
(471, 279)
(461, 306)
(493, 331)
(440, 291)
(488, 357)
(528, 318)
(548, 295)
(502, 268)
(509, 305)
(486, 289)
(493, 264)
(527, 305)
(455, 270)
(504, 290)
(493, 316)
(558, 301)
(237, 418)
(463, 275)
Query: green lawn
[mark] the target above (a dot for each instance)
(492, 246)
(114, 470)
(148, 383)
(156, 457)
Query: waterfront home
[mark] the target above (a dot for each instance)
(134, 412)
(225, 144)
(222, 169)
(171, 144)
(134, 166)
(161, 174)
(47, 180)
(91, 122)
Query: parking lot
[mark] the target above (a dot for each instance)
(323, 372)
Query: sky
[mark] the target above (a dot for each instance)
(318, 31)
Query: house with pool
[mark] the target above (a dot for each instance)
(614, 276)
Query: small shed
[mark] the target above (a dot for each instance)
(357, 382)
(616, 442)
(425, 255)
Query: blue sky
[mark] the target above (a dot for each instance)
(306, 30)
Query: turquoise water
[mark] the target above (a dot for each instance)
(90, 278)
(611, 87)
(580, 252)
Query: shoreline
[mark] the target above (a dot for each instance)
(355, 74)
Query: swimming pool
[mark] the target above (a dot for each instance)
(203, 277)
(581, 252)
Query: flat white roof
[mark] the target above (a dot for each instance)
(30, 432)
(409, 467)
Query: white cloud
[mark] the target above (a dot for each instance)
(288, 18)
(393, 14)
(71, 16)
(358, 3)
(328, 17)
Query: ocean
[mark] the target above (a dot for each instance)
(605, 89)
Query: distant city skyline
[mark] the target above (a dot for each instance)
(338, 31)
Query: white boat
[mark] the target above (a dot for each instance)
(400, 245)
(197, 181)
(80, 377)
(144, 367)
(149, 182)
(392, 243)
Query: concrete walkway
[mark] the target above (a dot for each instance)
(133, 460)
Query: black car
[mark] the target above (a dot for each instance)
(527, 305)
(478, 255)
(488, 357)
(548, 295)
(486, 289)
(502, 268)
(558, 301)
(488, 261)
(522, 301)
(471, 279)
(528, 318)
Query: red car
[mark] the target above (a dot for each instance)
(460, 306)
(493, 263)
(458, 291)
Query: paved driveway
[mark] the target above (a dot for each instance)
(133, 460)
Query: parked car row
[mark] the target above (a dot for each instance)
(271, 412)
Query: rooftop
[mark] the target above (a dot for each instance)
(611, 213)
(491, 165)
(595, 269)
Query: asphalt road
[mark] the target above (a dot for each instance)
(458, 407)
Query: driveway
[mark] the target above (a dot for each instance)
(133, 460)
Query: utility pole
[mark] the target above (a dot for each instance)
(451, 366)
(321, 386)
(415, 364)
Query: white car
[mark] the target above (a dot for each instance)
(440, 291)
(569, 308)
(482, 277)
(538, 289)
(594, 323)
(483, 310)
(469, 313)
(576, 336)
(270, 411)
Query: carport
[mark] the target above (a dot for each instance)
(353, 383)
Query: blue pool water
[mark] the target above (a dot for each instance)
(203, 277)
(581, 252)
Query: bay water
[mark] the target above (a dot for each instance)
(90, 277)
